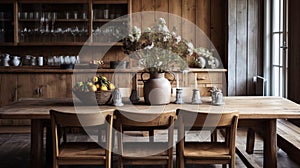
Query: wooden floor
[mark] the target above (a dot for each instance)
(15, 152)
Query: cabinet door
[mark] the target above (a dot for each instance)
(6, 22)
(8, 88)
(64, 23)
(44, 86)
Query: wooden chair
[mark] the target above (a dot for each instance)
(206, 152)
(81, 153)
(148, 152)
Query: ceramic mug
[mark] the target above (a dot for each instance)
(40, 61)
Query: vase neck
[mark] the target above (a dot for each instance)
(157, 75)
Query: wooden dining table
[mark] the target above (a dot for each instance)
(256, 112)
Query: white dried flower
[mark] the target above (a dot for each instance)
(136, 32)
(149, 47)
(190, 52)
(131, 38)
(190, 45)
(148, 30)
(162, 21)
(160, 63)
(178, 39)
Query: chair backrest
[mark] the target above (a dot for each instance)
(127, 118)
(134, 121)
(60, 120)
(65, 119)
(196, 119)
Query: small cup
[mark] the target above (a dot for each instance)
(36, 15)
(25, 15)
(75, 15)
(83, 15)
(40, 61)
(106, 14)
(67, 15)
(30, 15)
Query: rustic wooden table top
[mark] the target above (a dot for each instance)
(249, 107)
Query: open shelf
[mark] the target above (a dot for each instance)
(7, 44)
(65, 44)
(56, 20)
(6, 20)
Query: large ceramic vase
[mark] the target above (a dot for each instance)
(157, 89)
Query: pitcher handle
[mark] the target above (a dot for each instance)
(142, 76)
(174, 78)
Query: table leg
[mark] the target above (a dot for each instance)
(49, 147)
(250, 141)
(36, 143)
(270, 144)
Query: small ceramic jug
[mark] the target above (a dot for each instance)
(217, 97)
(6, 60)
(16, 61)
(117, 97)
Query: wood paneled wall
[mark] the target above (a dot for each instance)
(208, 15)
(294, 51)
(234, 27)
(245, 38)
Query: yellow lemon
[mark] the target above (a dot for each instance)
(95, 79)
(103, 87)
(80, 83)
(97, 86)
(90, 84)
(111, 86)
(104, 78)
(93, 88)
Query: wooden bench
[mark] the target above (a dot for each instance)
(288, 139)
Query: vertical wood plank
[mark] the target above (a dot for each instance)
(232, 30)
(161, 10)
(294, 50)
(8, 88)
(188, 12)
(203, 22)
(25, 88)
(90, 23)
(253, 39)
(136, 18)
(241, 64)
(148, 19)
(175, 11)
(260, 34)
(16, 23)
(218, 24)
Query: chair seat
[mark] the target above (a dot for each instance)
(205, 150)
(81, 150)
(138, 150)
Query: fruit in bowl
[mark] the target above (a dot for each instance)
(98, 87)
